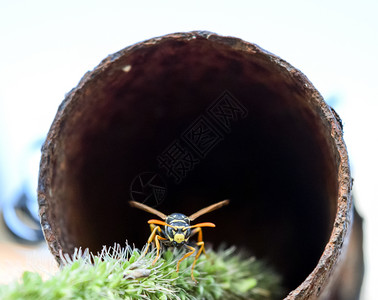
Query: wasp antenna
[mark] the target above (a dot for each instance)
(206, 224)
(159, 222)
(147, 209)
(208, 209)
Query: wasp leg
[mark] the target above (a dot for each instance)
(201, 249)
(151, 238)
(157, 238)
(152, 227)
(199, 239)
(192, 250)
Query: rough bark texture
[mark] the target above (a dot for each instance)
(198, 118)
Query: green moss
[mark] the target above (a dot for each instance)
(121, 273)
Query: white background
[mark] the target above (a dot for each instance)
(47, 46)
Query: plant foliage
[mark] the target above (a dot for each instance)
(122, 273)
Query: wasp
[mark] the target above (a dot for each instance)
(177, 231)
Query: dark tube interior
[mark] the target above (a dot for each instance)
(160, 112)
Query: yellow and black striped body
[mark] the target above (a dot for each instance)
(178, 231)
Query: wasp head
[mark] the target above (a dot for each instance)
(178, 231)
